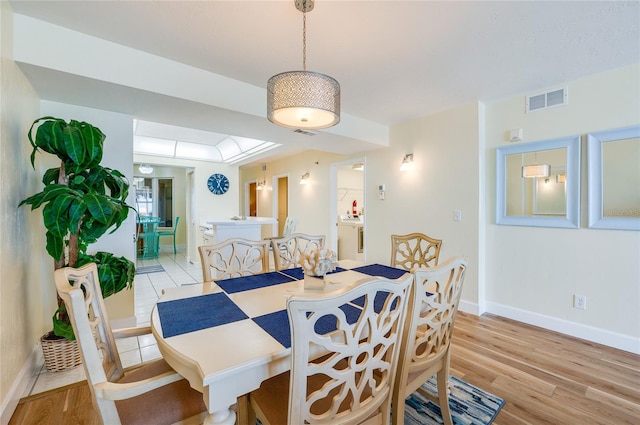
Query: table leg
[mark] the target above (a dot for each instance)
(221, 417)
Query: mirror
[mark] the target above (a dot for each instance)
(526, 197)
(614, 179)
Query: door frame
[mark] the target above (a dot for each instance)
(274, 197)
(333, 201)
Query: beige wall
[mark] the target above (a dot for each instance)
(306, 202)
(22, 270)
(529, 274)
(532, 273)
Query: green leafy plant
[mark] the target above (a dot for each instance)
(81, 201)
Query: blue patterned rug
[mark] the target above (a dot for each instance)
(469, 405)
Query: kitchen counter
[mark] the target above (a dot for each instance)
(217, 230)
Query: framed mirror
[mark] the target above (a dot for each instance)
(538, 183)
(614, 179)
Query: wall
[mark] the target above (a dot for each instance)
(442, 178)
(22, 274)
(532, 273)
(306, 202)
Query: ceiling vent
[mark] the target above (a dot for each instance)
(305, 132)
(549, 99)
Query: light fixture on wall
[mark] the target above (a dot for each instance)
(561, 178)
(261, 184)
(406, 162)
(145, 168)
(304, 179)
(358, 166)
(303, 99)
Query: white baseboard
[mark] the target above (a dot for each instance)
(586, 332)
(22, 385)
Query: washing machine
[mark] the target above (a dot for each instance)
(350, 237)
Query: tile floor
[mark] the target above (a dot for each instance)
(147, 287)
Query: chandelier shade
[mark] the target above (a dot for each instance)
(303, 99)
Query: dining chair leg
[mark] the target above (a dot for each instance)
(243, 411)
(174, 244)
(443, 395)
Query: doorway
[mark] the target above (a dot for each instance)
(280, 201)
(347, 209)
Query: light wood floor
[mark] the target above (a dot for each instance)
(545, 378)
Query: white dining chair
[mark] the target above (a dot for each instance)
(426, 341)
(149, 393)
(414, 250)
(234, 257)
(344, 350)
(287, 250)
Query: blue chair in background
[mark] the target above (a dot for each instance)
(171, 233)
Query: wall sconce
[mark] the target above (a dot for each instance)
(261, 185)
(406, 162)
(561, 178)
(304, 179)
(145, 168)
(358, 166)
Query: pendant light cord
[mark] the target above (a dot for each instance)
(304, 37)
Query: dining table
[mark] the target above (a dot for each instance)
(227, 336)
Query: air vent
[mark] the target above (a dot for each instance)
(550, 99)
(305, 132)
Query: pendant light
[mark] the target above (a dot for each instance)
(536, 170)
(303, 99)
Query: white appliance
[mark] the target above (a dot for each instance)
(350, 237)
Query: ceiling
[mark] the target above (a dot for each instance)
(395, 60)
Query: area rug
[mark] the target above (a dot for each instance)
(149, 269)
(469, 405)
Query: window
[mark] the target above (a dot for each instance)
(154, 198)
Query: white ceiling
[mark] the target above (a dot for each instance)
(395, 60)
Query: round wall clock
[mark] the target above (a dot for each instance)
(218, 184)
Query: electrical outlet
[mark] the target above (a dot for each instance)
(580, 301)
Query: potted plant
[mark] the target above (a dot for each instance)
(81, 201)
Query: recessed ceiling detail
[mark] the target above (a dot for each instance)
(164, 140)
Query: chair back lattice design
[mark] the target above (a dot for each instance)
(344, 352)
(290, 225)
(426, 341)
(233, 258)
(414, 250)
(80, 290)
(287, 250)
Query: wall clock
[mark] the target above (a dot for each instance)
(218, 184)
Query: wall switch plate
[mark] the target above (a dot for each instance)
(457, 215)
(580, 301)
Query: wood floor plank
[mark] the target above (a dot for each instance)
(546, 378)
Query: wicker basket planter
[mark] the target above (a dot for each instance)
(60, 354)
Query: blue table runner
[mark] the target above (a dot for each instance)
(298, 274)
(246, 283)
(381, 270)
(277, 324)
(205, 311)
